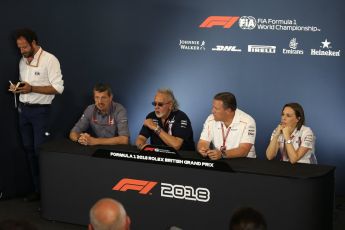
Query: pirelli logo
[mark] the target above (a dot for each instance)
(142, 186)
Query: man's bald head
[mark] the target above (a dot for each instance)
(108, 214)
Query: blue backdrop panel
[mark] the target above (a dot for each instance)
(139, 47)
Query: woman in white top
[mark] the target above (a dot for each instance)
(295, 141)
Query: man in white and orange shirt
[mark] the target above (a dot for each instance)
(230, 130)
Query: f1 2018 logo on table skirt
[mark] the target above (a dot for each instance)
(185, 192)
(182, 192)
(142, 186)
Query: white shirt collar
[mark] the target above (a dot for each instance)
(36, 59)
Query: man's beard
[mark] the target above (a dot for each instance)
(159, 115)
(102, 108)
(29, 54)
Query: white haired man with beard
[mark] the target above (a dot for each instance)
(166, 125)
(108, 214)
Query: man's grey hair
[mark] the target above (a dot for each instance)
(117, 223)
(170, 94)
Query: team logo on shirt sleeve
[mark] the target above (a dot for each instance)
(251, 131)
(308, 141)
(184, 123)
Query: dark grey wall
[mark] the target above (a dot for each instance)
(134, 46)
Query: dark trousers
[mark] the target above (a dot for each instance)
(33, 125)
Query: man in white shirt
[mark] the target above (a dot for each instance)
(41, 79)
(230, 130)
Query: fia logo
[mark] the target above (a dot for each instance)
(247, 22)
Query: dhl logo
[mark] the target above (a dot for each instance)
(143, 186)
(225, 21)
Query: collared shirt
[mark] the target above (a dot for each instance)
(44, 70)
(112, 124)
(242, 130)
(177, 125)
(303, 137)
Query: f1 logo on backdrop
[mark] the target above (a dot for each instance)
(142, 186)
(225, 21)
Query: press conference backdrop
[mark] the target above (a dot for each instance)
(267, 53)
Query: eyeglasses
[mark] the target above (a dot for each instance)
(159, 104)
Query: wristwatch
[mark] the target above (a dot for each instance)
(288, 141)
(222, 150)
(157, 130)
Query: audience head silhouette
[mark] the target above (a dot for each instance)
(108, 214)
(247, 219)
(10, 224)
